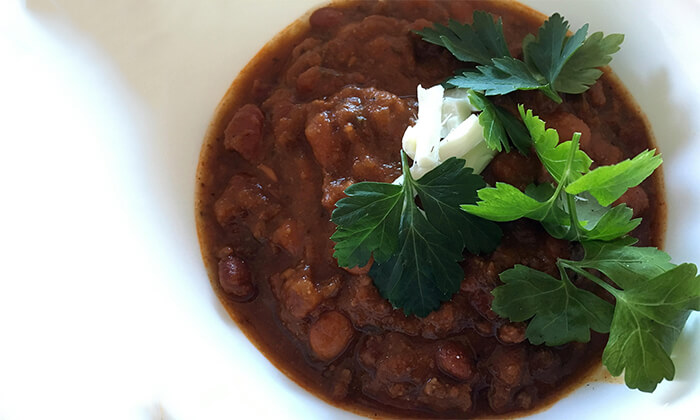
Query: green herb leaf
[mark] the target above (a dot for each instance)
(623, 263)
(603, 223)
(552, 62)
(416, 251)
(648, 319)
(368, 220)
(608, 183)
(650, 310)
(504, 203)
(500, 127)
(553, 154)
(560, 311)
(552, 48)
(649, 313)
(504, 76)
(476, 43)
(441, 191)
(564, 215)
(654, 298)
(580, 72)
(423, 272)
(594, 222)
(564, 161)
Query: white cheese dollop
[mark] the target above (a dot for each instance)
(421, 141)
(455, 109)
(446, 127)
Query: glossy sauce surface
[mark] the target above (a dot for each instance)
(325, 105)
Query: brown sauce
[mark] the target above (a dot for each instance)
(325, 104)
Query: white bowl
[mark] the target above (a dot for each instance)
(105, 308)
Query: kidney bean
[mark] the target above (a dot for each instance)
(326, 17)
(635, 198)
(244, 132)
(235, 278)
(453, 361)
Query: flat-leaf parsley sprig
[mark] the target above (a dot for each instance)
(553, 62)
(416, 250)
(653, 297)
(575, 208)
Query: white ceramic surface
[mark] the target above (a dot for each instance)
(105, 309)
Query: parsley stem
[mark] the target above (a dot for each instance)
(572, 215)
(570, 198)
(565, 177)
(574, 267)
(570, 159)
(550, 93)
(406, 168)
(409, 183)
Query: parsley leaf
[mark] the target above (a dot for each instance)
(581, 70)
(504, 76)
(423, 272)
(504, 203)
(500, 127)
(553, 154)
(551, 49)
(624, 263)
(563, 160)
(648, 319)
(649, 313)
(560, 311)
(653, 298)
(367, 222)
(602, 223)
(441, 192)
(476, 43)
(608, 183)
(416, 250)
(565, 215)
(651, 308)
(552, 62)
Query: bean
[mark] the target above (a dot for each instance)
(635, 198)
(453, 361)
(244, 132)
(326, 17)
(330, 335)
(512, 333)
(235, 278)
